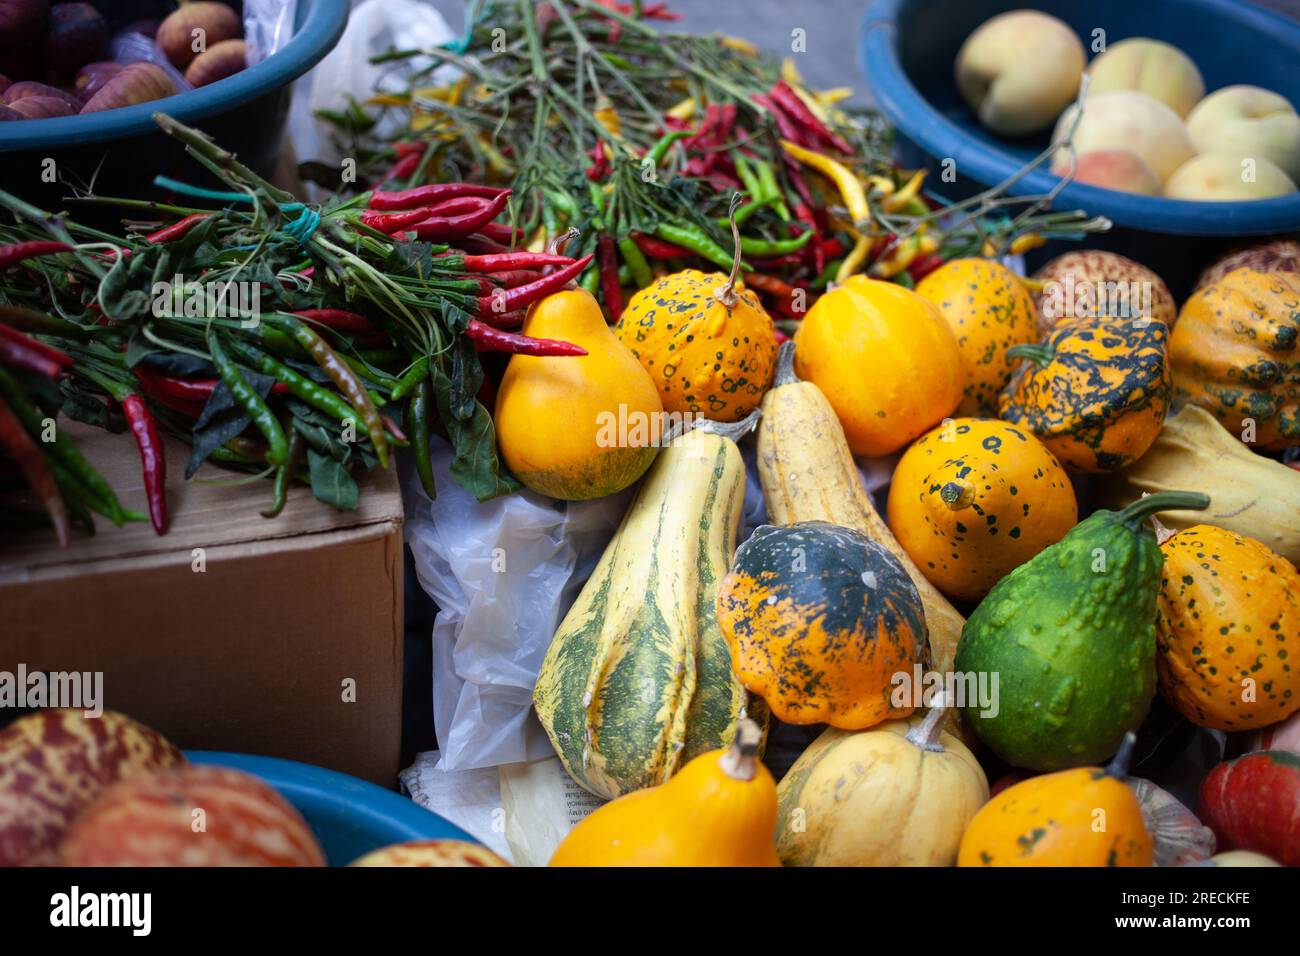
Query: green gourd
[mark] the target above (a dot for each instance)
(1071, 636)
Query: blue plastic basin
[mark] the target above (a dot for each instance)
(909, 48)
(245, 113)
(350, 817)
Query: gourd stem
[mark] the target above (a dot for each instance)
(556, 246)
(1138, 511)
(785, 373)
(1035, 352)
(1163, 531)
(727, 294)
(925, 735)
(957, 494)
(1118, 766)
(733, 431)
(740, 762)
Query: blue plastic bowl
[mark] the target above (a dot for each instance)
(350, 817)
(122, 150)
(908, 50)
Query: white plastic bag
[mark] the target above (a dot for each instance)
(268, 26)
(503, 574)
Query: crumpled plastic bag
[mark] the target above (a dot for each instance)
(503, 573)
(268, 26)
(374, 27)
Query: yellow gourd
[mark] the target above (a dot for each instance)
(1081, 817)
(720, 810)
(989, 310)
(884, 358)
(577, 427)
(707, 342)
(974, 499)
(899, 794)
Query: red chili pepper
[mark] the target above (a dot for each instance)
(781, 337)
(513, 278)
(480, 245)
(488, 339)
(609, 286)
(428, 195)
(190, 390)
(393, 428)
(500, 232)
(340, 320)
(771, 263)
(19, 251)
(599, 167)
(784, 96)
(788, 127)
(507, 300)
(152, 458)
(514, 319)
(442, 228)
(403, 168)
(17, 355)
(794, 173)
(19, 444)
(391, 222)
(657, 248)
(782, 292)
(177, 229)
(513, 260)
(36, 345)
(407, 147)
(458, 206)
(922, 266)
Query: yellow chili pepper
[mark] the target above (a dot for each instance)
(856, 257)
(882, 184)
(903, 255)
(790, 72)
(849, 186)
(608, 117)
(1023, 244)
(905, 195)
(683, 110)
(1033, 286)
(739, 45)
(538, 242)
(828, 98)
(496, 161)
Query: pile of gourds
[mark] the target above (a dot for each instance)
(661, 680)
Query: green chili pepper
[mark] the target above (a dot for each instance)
(659, 150)
(410, 379)
(563, 202)
(697, 241)
(636, 262)
(277, 446)
(420, 408)
(65, 453)
(301, 387)
(748, 177)
(774, 247)
(771, 191)
(827, 276)
(283, 475)
(340, 374)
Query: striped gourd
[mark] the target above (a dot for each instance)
(808, 474)
(638, 680)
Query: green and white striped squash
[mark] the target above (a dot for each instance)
(638, 680)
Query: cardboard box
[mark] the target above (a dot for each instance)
(252, 653)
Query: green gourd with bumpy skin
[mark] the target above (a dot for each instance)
(1071, 635)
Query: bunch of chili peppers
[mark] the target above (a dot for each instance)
(371, 317)
(598, 120)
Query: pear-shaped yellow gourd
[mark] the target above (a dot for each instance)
(719, 810)
(705, 340)
(577, 427)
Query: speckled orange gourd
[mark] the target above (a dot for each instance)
(1082, 817)
(1236, 353)
(1228, 631)
(819, 619)
(976, 498)
(989, 310)
(1095, 391)
(706, 357)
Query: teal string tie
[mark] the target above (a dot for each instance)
(198, 192)
(461, 44)
(304, 226)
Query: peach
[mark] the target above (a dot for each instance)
(1119, 169)
(1161, 71)
(1228, 177)
(1125, 119)
(1248, 121)
(1019, 70)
